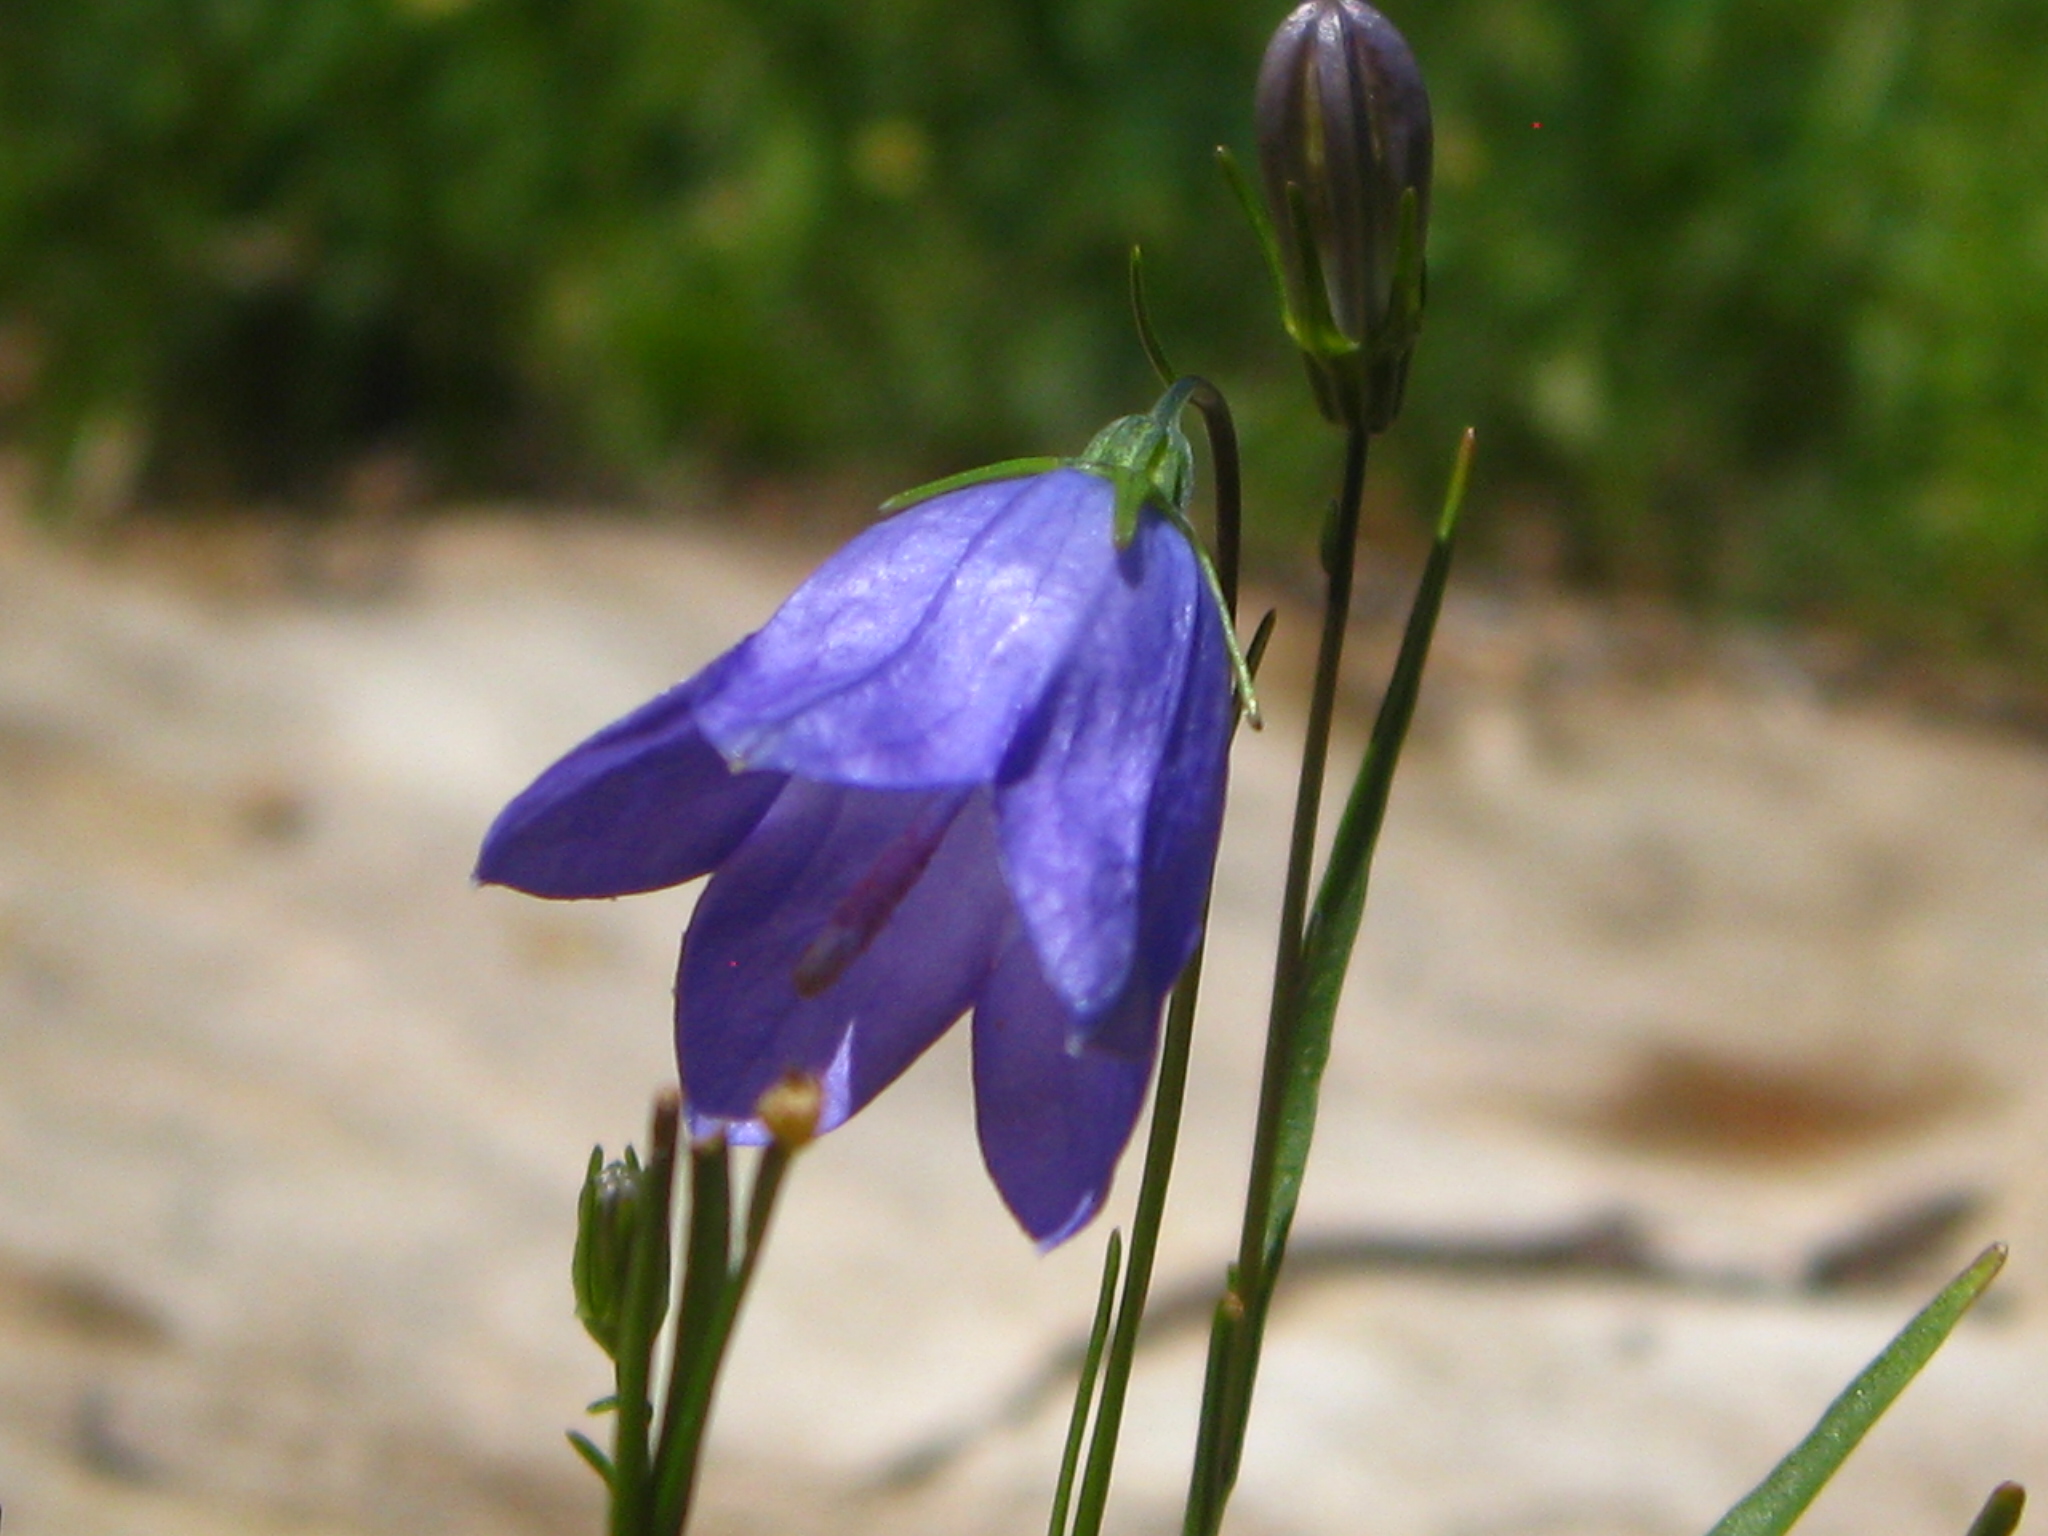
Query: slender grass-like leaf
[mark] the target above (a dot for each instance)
(1781, 1498)
(2000, 1515)
(1340, 900)
(595, 1459)
(1084, 1388)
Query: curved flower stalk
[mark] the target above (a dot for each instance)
(975, 762)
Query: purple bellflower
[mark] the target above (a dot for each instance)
(976, 761)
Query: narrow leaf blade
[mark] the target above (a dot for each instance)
(1084, 1387)
(2001, 1513)
(1782, 1497)
(1340, 900)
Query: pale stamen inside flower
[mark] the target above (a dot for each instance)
(865, 910)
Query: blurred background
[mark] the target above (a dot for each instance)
(1746, 298)
(392, 391)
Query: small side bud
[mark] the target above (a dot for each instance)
(1345, 147)
(620, 1267)
(611, 1213)
(791, 1110)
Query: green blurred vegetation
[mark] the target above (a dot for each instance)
(1753, 315)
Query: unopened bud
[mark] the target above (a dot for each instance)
(607, 1214)
(1344, 154)
(791, 1110)
(617, 1211)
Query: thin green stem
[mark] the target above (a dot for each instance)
(1084, 1389)
(646, 1298)
(1241, 1314)
(707, 1255)
(692, 1406)
(1340, 537)
(1145, 1224)
(1141, 314)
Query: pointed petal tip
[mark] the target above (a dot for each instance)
(1053, 1125)
(1082, 1214)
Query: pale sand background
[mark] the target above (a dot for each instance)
(291, 1119)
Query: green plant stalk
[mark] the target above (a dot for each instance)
(1340, 900)
(1226, 1394)
(699, 1360)
(1084, 1388)
(632, 1492)
(707, 1260)
(1340, 538)
(1161, 1142)
(1321, 955)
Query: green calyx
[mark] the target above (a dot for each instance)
(1147, 458)
(1358, 380)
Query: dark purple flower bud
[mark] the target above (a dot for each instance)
(975, 762)
(1344, 153)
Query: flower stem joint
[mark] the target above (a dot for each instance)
(1344, 154)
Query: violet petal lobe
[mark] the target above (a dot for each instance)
(1183, 825)
(1053, 1119)
(645, 803)
(911, 658)
(841, 940)
(1077, 794)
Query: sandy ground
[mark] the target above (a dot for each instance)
(291, 1119)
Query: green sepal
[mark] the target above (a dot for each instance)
(591, 1270)
(1146, 458)
(1133, 490)
(1009, 469)
(1410, 277)
(1262, 635)
(1262, 227)
(1782, 1497)
(1335, 368)
(1242, 663)
(1310, 320)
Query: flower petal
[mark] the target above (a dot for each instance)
(913, 656)
(752, 1001)
(1077, 800)
(1182, 828)
(645, 803)
(1053, 1119)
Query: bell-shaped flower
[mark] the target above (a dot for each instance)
(975, 762)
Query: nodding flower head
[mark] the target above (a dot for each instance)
(1344, 154)
(975, 762)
